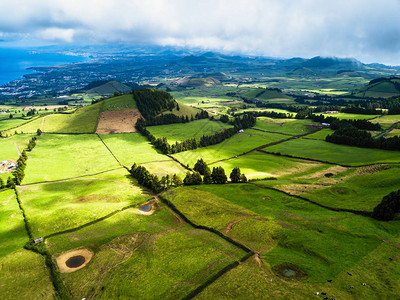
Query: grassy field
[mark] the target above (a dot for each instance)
(184, 110)
(58, 156)
(320, 135)
(123, 102)
(346, 116)
(24, 273)
(13, 234)
(63, 205)
(339, 154)
(8, 146)
(146, 257)
(336, 242)
(286, 126)
(10, 123)
(195, 129)
(83, 120)
(235, 145)
(132, 148)
(261, 165)
(359, 192)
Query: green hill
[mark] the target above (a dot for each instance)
(109, 88)
(266, 94)
(381, 87)
(200, 82)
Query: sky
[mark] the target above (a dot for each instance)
(368, 30)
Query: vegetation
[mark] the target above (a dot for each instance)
(388, 208)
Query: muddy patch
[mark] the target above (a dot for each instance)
(289, 271)
(74, 260)
(118, 121)
(320, 174)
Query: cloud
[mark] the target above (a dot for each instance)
(364, 29)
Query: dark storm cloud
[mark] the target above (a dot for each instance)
(368, 30)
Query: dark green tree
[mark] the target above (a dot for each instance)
(218, 175)
(2, 185)
(207, 176)
(200, 166)
(235, 175)
(243, 178)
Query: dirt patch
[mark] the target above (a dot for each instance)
(8, 166)
(118, 121)
(74, 260)
(371, 169)
(86, 198)
(230, 225)
(231, 102)
(320, 174)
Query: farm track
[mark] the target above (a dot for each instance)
(16, 147)
(387, 131)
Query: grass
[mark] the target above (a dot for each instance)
(10, 123)
(123, 102)
(8, 150)
(320, 135)
(287, 126)
(146, 257)
(64, 205)
(361, 192)
(58, 156)
(261, 165)
(132, 148)
(346, 116)
(168, 167)
(324, 244)
(334, 153)
(13, 234)
(184, 110)
(235, 145)
(24, 274)
(83, 120)
(195, 129)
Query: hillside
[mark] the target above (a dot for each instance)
(192, 82)
(266, 94)
(381, 87)
(109, 88)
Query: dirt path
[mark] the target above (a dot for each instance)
(230, 225)
(16, 147)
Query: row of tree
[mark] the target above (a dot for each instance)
(19, 173)
(388, 208)
(239, 122)
(172, 119)
(347, 134)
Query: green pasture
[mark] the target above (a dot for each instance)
(360, 192)
(183, 131)
(83, 120)
(166, 167)
(286, 126)
(146, 257)
(260, 165)
(231, 147)
(8, 146)
(346, 116)
(132, 148)
(184, 110)
(13, 234)
(334, 153)
(58, 156)
(55, 207)
(123, 102)
(24, 275)
(11, 123)
(323, 243)
(319, 135)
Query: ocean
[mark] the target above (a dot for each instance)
(14, 62)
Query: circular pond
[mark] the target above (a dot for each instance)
(75, 261)
(145, 208)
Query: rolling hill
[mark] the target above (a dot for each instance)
(109, 88)
(381, 88)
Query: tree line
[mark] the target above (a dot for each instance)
(157, 185)
(19, 173)
(239, 122)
